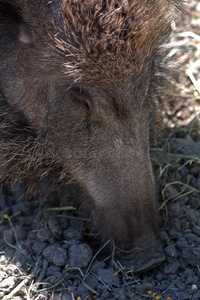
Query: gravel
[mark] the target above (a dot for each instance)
(41, 254)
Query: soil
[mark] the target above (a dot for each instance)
(45, 251)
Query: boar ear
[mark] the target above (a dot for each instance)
(12, 25)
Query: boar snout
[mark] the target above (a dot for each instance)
(124, 205)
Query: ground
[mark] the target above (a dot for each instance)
(43, 251)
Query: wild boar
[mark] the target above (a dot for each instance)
(78, 78)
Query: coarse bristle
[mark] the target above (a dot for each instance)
(112, 38)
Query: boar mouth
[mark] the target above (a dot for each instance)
(143, 258)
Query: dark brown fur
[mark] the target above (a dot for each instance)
(80, 80)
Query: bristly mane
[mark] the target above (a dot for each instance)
(113, 37)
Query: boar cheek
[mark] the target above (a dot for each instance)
(13, 28)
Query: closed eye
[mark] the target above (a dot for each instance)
(81, 96)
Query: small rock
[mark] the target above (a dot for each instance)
(195, 170)
(82, 291)
(42, 297)
(20, 207)
(192, 255)
(190, 280)
(79, 255)
(52, 270)
(9, 236)
(66, 296)
(109, 277)
(188, 273)
(170, 192)
(174, 234)
(190, 237)
(44, 234)
(175, 223)
(2, 276)
(171, 251)
(196, 230)
(53, 278)
(184, 224)
(159, 277)
(164, 238)
(8, 283)
(184, 296)
(172, 268)
(181, 244)
(120, 294)
(64, 223)
(191, 216)
(184, 171)
(105, 295)
(141, 288)
(72, 233)
(55, 254)
(194, 287)
(196, 296)
(101, 289)
(174, 209)
(92, 281)
(198, 183)
(97, 265)
(180, 286)
(38, 247)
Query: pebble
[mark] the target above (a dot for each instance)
(105, 295)
(196, 231)
(170, 192)
(41, 297)
(172, 268)
(52, 270)
(3, 276)
(164, 238)
(8, 283)
(97, 265)
(53, 278)
(72, 233)
(174, 234)
(192, 255)
(190, 237)
(174, 209)
(38, 247)
(196, 296)
(171, 251)
(180, 286)
(184, 296)
(109, 277)
(191, 216)
(181, 244)
(9, 236)
(141, 288)
(66, 296)
(159, 277)
(92, 281)
(44, 234)
(79, 255)
(55, 254)
(120, 294)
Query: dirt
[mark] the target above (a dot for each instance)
(45, 249)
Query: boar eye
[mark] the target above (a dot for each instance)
(81, 96)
